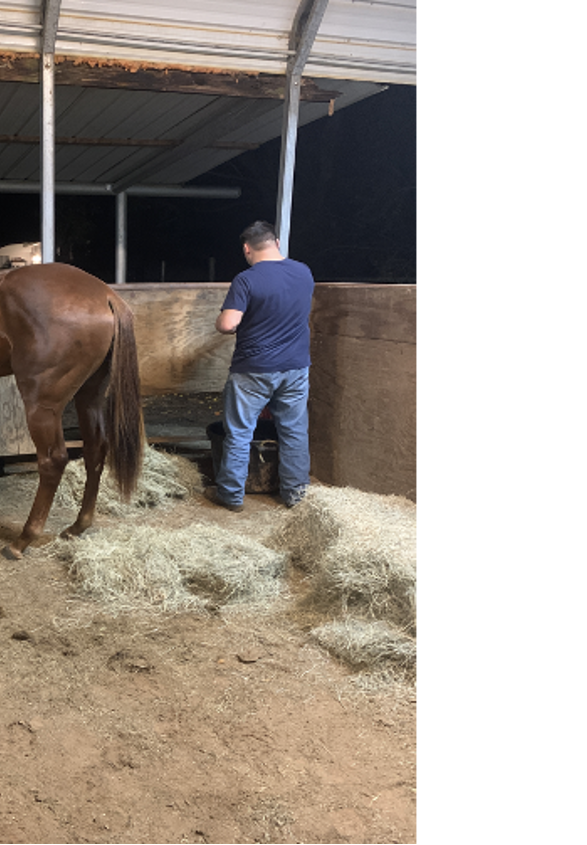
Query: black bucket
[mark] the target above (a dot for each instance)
(263, 463)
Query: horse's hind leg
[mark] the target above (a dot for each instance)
(47, 434)
(89, 403)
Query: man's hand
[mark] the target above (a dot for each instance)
(228, 320)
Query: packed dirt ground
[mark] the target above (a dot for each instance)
(216, 727)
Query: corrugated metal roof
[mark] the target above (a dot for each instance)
(115, 122)
(146, 118)
(373, 40)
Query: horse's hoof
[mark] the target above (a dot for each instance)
(11, 554)
(71, 532)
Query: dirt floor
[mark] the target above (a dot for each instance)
(186, 728)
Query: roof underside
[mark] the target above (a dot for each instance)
(151, 93)
(106, 135)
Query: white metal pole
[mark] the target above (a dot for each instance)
(304, 30)
(289, 135)
(121, 217)
(50, 23)
(48, 157)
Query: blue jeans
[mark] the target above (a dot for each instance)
(245, 396)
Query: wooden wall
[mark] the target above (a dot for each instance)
(462, 397)
(179, 349)
(362, 380)
(14, 434)
(363, 387)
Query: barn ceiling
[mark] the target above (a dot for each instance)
(158, 94)
(121, 136)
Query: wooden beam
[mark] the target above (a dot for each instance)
(108, 73)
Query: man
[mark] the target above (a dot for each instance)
(268, 306)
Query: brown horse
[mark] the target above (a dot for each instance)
(66, 335)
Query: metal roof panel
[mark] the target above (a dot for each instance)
(372, 40)
(142, 117)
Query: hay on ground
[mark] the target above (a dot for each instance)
(164, 477)
(233, 568)
(367, 644)
(360, 549)
(134, 567)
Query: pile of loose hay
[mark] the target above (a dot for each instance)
(140, 567)
(164, 477)
(360, 549)
(366, 644)
(360, 552)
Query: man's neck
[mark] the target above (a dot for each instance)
(271, 253)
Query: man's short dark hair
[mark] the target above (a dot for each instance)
(258, 233)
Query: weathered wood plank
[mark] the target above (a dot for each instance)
(381, 312)
(138, 76)
(363, 387)
(14, 434)
(179, 349)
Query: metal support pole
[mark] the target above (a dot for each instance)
(48, 157)
(50, 22)
(303, 33)
(289, 136)
(11, 186)
(120, 271)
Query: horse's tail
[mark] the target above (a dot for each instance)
(125, 430)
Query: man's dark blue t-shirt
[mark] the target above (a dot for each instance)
(273, 335)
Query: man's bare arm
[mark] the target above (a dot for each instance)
(228, 320)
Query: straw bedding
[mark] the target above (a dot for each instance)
(191, 568)
(164, 478)
(360, 551)
(365, 644)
